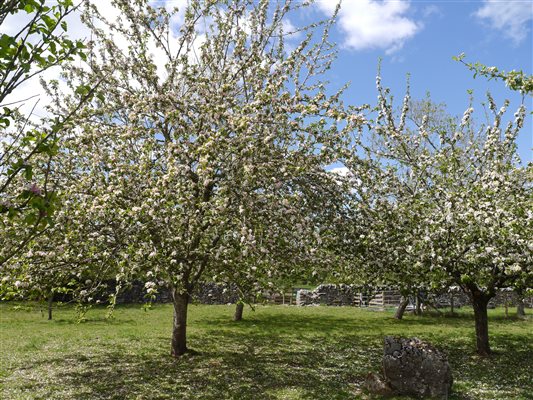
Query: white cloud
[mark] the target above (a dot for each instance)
(509, 17)
(178, 18)
(342, 171)
(431, 10)
(370, 24)
(346, 173)
(291, 30)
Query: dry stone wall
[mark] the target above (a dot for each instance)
(135, 292)
(324, 294)
(327, 294)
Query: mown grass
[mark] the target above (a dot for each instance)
(277, 352)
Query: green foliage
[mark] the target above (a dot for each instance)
(27, 200)
(514, 80)
(39, 45)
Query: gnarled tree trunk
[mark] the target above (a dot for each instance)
(179, 326)
(480, 301)
(401, 307)
(239, 308)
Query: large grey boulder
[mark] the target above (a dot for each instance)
(414, 367)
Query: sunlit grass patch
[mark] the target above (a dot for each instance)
(276, 352)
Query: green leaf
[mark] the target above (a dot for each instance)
(5, 42)
(49, 21)
(28, 172)
(83, 90)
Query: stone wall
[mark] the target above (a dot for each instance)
(214, 293)
(461, 299)
(325, 294)
(456, 296)
(135, 292)
(347, 295)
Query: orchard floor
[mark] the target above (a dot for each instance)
(277, 352)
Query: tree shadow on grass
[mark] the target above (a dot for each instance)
(250, 367)
(295, 324)
(95, 321)
(236, 370)
(265, 357)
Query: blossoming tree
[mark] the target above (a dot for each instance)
(449, 203)
(27, 147)
(187, 152)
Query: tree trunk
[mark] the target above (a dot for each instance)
(480, 302)
(50, 301)
(238, 311)
(506, 305)
(418, 308)
(401, 308)
(451, 303)
(520, 308)
(179, 327)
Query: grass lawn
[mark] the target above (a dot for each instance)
(277, 352)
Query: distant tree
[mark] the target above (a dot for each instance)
(444, 203)
(287, 244)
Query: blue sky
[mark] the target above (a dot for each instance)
(416, 37)
(420, 37)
